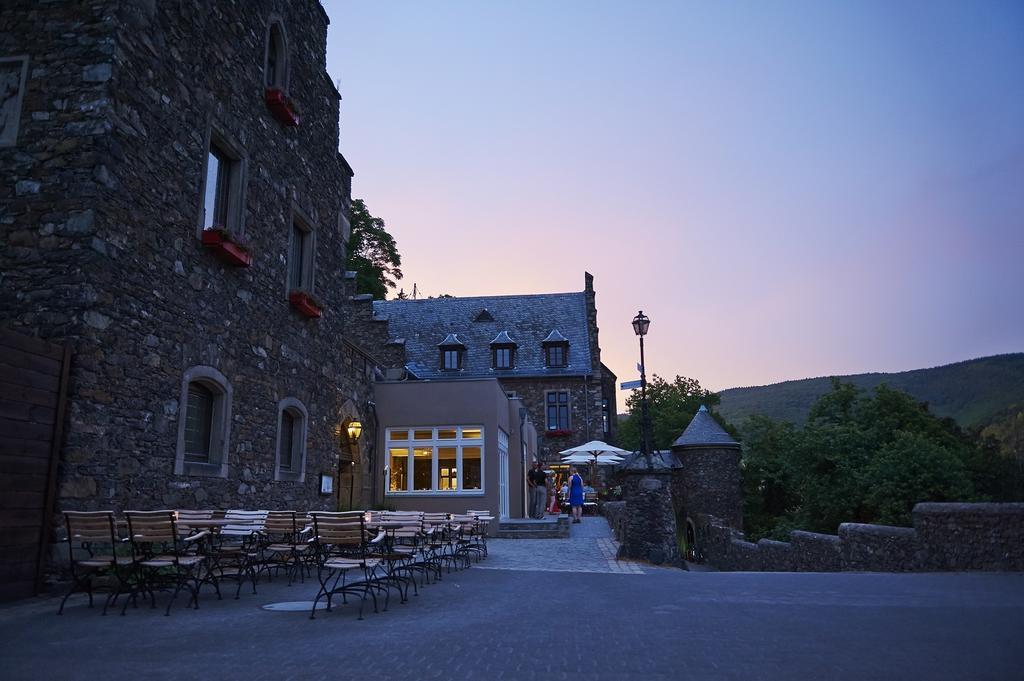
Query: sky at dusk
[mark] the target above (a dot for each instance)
(787, 189)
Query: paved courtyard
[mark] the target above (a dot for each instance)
(511, 621)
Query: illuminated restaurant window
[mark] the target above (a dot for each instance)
(444, 460)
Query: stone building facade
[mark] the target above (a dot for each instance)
(137, 125)
(570, 397)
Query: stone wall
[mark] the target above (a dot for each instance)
(709, 482)
(101, 247)
(971, 536)
(648, 523)
(945, 537)
(585, 421)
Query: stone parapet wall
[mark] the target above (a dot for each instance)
(971, 536)
(945, 537)
(878, 548)
(615, 513)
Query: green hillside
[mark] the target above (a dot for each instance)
(971, 392)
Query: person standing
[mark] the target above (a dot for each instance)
(537, 480)
(576, 494)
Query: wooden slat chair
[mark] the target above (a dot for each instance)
(403, 551)
(590, 502)
(236, 549)
(285, 545)
(164, 559)
(464, 528)
(440, 546)
(484, 523)
(93, 547)
(344, 546)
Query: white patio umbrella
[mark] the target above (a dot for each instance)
(595, 452)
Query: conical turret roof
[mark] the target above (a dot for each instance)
(704, 431)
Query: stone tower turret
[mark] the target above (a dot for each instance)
(709, 479)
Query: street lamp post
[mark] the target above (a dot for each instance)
(640, 325)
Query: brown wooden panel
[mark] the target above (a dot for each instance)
(27, 377)
(24, 499)
(24, 393)
(19, 568)
(27, 430)
(14, 537)
(13, 446)
(11, 590)
(18, 482)
(19, 518)
(36, 346)
(24, 411)
(33, 362)
(22, 465)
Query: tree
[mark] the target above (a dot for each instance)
(372, 253)
(671, 407)
(864, 458)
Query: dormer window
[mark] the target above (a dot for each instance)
(503, 352)
(453, 353)
(556, 350)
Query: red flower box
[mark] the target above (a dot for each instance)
(306, 303)
(227, 247)
(282, 108)
(558, 433)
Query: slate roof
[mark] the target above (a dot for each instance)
(704, 431)
(527, 319)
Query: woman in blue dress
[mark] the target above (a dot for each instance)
(575, 494)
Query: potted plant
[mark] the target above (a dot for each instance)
(283, 108)
(306, 303)
(229, 246)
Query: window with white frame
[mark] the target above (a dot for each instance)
(556, 404)
(442, 460)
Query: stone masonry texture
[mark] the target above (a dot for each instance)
(101, 245)
(945, 537)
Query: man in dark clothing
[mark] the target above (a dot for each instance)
(537, 481)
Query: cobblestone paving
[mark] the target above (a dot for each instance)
(515, 623)
(589, 548)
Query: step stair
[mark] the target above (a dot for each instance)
(551, 527)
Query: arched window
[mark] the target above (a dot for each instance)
(204, 423)
(198, 422)
(291, 440)
(275, 66)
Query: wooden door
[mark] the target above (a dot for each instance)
(33, 385)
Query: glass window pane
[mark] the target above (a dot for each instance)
(399, 470)
(470, 433)
(447, 474)
(210, 197)
(423, 468)
(471, 468)
(398, 435)
(287, 432)
(198, 422)
(423, 435)
(445, 433)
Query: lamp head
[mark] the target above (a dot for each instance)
(355, 429)
(640, 323)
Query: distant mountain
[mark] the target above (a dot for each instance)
(971, 392)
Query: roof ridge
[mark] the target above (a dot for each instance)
(509, 295)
